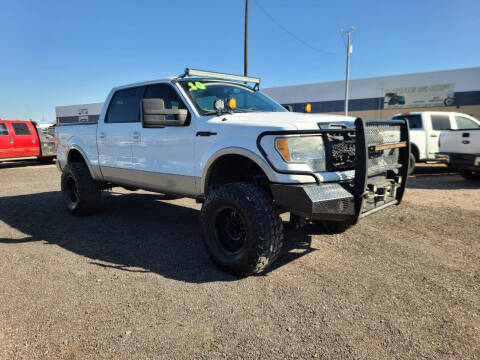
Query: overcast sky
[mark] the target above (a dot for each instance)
(66, 52)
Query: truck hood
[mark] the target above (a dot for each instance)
(286, 120)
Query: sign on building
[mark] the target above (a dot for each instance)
(419, 96)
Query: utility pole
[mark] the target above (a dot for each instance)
(245, 49)
(349, 51)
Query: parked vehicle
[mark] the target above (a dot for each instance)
(20, 138)
(425, 128)
(394, 99)
(461, 150)
(210, 137)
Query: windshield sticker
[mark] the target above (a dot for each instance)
(198, 85)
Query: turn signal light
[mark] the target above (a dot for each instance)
(282, 147)
(232, 103)
(308, 108)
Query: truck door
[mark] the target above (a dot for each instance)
(6, 141)
(163, 157)
(114, 134)
(438, 123)
(25, 141)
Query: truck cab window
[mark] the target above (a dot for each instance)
(465, 123)
(124, 107)
(170, 97)
(441, 122)
(414, 121)
(20, 129)
(3, 130)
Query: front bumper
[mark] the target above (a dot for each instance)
(335, 201)
(382, 151)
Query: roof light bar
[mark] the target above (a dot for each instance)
(217, 75)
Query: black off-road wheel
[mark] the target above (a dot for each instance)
(241, 228)
(81, 194)
(470, 174)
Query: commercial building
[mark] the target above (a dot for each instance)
(78, 113)
(380, 97)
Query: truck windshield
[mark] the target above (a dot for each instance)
(203, 94)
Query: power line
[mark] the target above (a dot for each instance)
(300, 40)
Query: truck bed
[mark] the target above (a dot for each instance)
(83, 137)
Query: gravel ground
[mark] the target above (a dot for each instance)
(133, 281)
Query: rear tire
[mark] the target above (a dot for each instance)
(241, 228)
(80, 192)
(470, 174)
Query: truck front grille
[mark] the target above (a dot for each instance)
(379, 161)
(340, 148)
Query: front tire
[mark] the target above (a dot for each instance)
(411, 164)
(80, 192)
(241, 228)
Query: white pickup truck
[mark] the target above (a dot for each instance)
(425, 128)
(210, 137)
(460, 149)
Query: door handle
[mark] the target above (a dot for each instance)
(136, 135)
(205, 133)
(433, 135)
(101, 136)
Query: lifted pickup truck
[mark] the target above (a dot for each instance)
(211, 137)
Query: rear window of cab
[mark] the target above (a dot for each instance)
(414, 121)
(20, 129)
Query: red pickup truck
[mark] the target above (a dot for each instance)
(19, 138)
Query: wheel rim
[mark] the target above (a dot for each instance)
(230, 230)
(72, 191)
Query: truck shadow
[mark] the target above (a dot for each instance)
(132, 232)
(439, 177)
(9, 164)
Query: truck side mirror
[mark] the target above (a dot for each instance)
(153, 114)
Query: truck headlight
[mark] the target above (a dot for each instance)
(302, 149)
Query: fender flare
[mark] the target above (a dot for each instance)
(234, 151)
(95, 175)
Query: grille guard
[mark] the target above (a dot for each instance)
(375, 160)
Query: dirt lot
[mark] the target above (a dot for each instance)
(134, 282)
